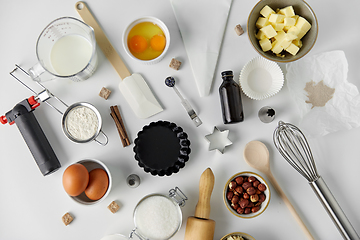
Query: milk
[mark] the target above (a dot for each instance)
(70, 54)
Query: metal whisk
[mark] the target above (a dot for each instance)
(293, 146)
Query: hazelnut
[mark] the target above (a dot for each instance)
(247, 210)
(255, 209)
(246, 196)
(258, 191)
(239, 190)
(239, 180)
(251, 191)
(244, 203)
(232, 185)
(254, 198)
(229, 195)
(256, 183)
(240, 210)
(250, 205)
(235, 206)
(252, 179)
(246, 185)
(262, 187)
(262, 197)
(235, 199)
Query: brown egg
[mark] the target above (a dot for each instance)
(98, 184)
(75, 179)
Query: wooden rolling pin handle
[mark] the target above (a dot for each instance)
(206, 186)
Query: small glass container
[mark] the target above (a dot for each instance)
(158, 216)
(230, 99)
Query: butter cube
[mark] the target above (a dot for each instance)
(295, 17)
(280, 35)
(292, 49)
(266, 11)
(294, 31)
(297, 42)
(289, 36)
(288, 11)
(276, 47)
(288, 21)
(265, 44)
(278, 26)
(285, 43)
(303, 25)
(261, 22)
(276, 18)
(260, 35)
(269, 31)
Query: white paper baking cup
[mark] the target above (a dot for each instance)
(261, 78)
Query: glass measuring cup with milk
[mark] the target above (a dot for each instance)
(66, 48)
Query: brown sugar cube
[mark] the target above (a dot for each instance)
(238, 29)
(67, 219)
(113, 207)
(104, 93)
(175, 64)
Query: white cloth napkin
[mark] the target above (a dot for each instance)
(202, 26)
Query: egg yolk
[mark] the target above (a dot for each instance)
(158, 42)
(138, 44)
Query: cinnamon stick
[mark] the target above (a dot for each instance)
(115, 114)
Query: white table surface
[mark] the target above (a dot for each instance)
(31, 206)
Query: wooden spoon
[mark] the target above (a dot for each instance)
(256, 155)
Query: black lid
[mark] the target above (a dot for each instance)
(228, 73)
(162, 148)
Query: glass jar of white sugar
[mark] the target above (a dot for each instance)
(159, 217)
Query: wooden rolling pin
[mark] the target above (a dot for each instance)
(200, 226)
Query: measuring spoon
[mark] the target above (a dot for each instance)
(256, 155)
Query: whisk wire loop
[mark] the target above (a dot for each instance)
(293, 146)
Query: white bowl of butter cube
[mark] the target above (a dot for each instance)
(282, 31)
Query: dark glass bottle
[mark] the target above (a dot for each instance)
(230, 99)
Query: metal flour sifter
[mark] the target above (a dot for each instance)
(293, 146)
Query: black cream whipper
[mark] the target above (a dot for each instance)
(22, 115)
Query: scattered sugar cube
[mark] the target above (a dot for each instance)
(113, 207)
(175, 64)
(67, 219)
(104, 93)
(239, 30)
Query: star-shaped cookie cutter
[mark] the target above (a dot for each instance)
(218, 140)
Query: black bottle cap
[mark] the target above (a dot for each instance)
(227, 74)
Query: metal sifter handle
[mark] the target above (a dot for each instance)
(334, 210)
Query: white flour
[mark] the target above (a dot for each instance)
(82, 123)
(157, 218)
